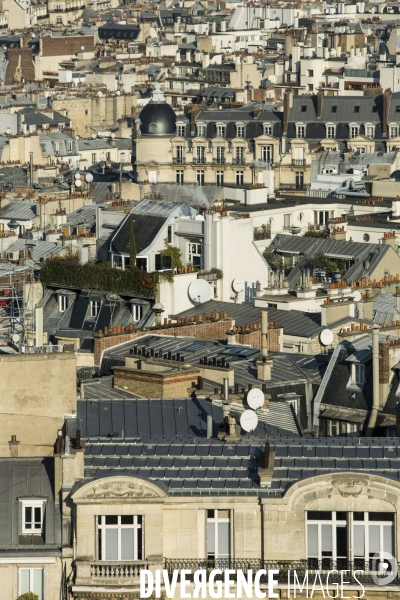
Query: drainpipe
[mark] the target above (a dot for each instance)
(31, 167)
(375, 381)
(264, 333)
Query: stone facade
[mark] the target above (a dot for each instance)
(150, 384)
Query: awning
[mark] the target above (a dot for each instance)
(344, 414)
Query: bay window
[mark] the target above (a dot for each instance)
(119, 537)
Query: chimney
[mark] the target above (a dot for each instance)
(13, 445)
(287, 105)
(213, 27)
(223, 25)
(320, 100)
(384, 370)
(266, 469)
(205, 60)
(188, 56)
(264, 369)
(387, 95)
(375, 381)
(264, 333)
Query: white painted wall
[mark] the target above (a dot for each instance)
(174, 296)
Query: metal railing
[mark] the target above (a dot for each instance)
(116, 570)
(298, 162)
(262, 233)
(219, 161)
(199, 161)
(179, 160)
(239, 161)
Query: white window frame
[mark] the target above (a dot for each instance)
(221, 130)
(31, 580)
(300, 130)
(216, 520)
(239, 177)
(180, 129)
(32, 504)
(393, 130)
(201, 129)
(267, 153)
(358, 373)
(69, 147)
(137, 312)
(267, 127)
(137, 548)
(195, 249)
(369, 129)
(354, 130)
(219, 178)
(240, 130)
(62, 303)
(179, 177)
(330, 131)
(200, 177)
(94, 308)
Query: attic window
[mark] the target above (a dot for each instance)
(358, 374)
(32, 516)
(333, 109)
(304, 108)
(356, 109)
(398, 108)
(153, 128)
(375, 109)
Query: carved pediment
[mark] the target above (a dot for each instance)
(119, 488)
(349, 488)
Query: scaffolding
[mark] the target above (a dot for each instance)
(17, 313)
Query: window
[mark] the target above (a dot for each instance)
(62, 303)
(169, 234)
(356, 109)
(119, 537)
(267, 129)
(239, 156)
(300, 131)
(93, 158)
(299, 181)
(220, 155)
(219, 178)
(328, 539)
(267, 153)
(201, 130)
(330, 131)
(200, 177)
(360, 150)
(200, 155)
(180, 130)
(354, 129)
(240, 131)
(32, 517)
(220, 130)
(333, 109)
(121, 157)
(218, 534)
(69, 146)
(321, 217)
(304, 108)
(56, 146)
(163, 262)
(286, 221)
(94, 308)
(358, 373)
(31, 580)
(310, 73)
(310, 87)
(342, 428)
(179, 177)
(369, 131)
(137, 309)
(59, 21)
(393, 131)
(239, 177)
(195, 255)
(180, 154)
(141, 262)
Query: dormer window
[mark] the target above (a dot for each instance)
(267, 128)
(201, 130)
(330, 130)
(240, 130)
(369, 130)
(358, 374)
(32, 511)
(221, 128)
(300, 130)
(180, 130)
(393, 130)
(354, 130)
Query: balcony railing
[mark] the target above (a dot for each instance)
(199, 161)
(262, 233)
(239, 161)
(299, 162)
(179, 160)
(116, 570)
(219, 161)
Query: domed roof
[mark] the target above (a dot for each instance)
(157, 117)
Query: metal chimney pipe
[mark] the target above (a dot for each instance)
(209, 426)
(226, 389)
(375, 381)
(264, 333)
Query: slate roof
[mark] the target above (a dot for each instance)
(309, 247)
(145, 228)
(22, 210)
(27, 477)
(294, 322)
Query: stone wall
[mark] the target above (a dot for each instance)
(155, 385)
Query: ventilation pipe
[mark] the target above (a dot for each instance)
(226, 409)
(264, 333)
(209, 426)
(375, 381)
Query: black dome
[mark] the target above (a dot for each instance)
(158, 118)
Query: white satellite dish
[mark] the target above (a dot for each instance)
(255, 398)
(326, 337)
(88, 178)
(77, 176)
(15, 338)
(357, 296)
(248, 420)
(113, 136)
(199, 291)
(78, 182)
(238, 285)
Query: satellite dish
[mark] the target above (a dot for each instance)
(255, 398)
(78, 182)
(99, 94)
(238, 285)
(199, 291)
(88, 178)
(77, 175)
(357, 296)
(326, 337)
(15, 338)
(113, 136)
(248, 420)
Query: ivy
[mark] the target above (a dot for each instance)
(97, 276)
(174, 253)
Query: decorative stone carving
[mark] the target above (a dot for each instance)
(120, 490)
(349, 488)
